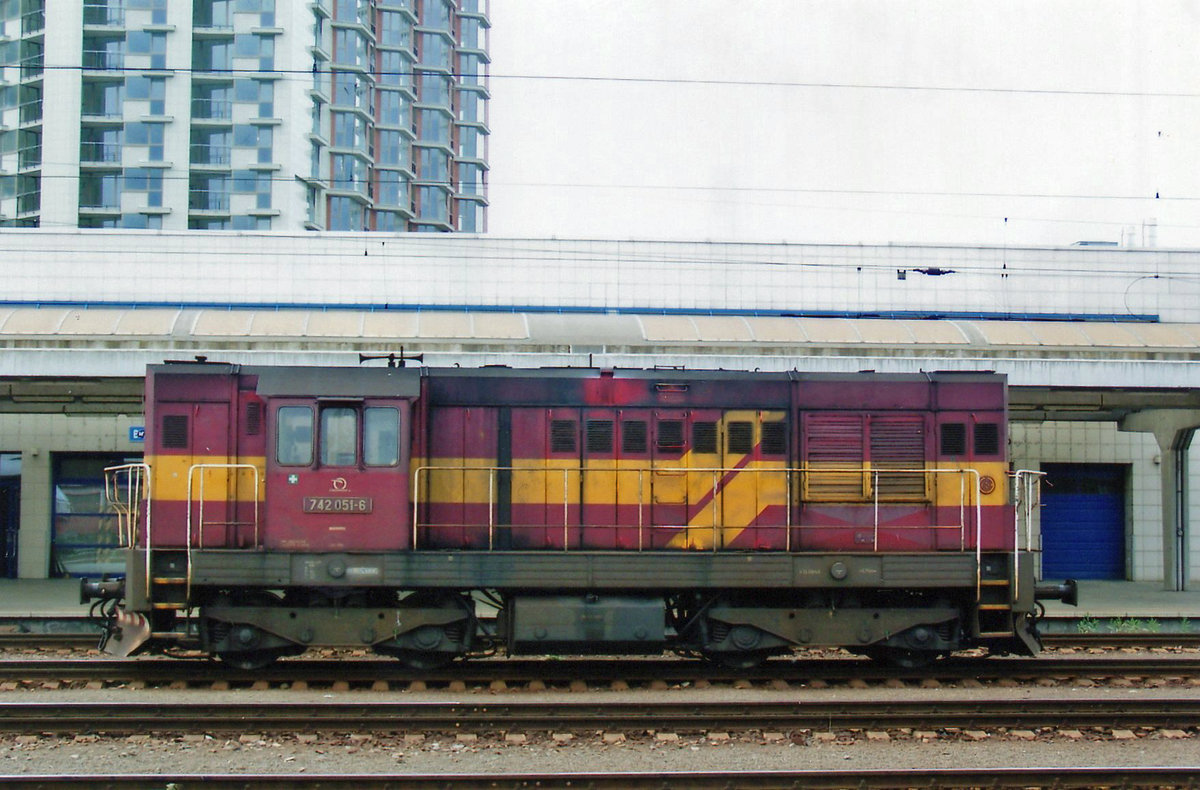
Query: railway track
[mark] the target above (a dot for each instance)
(494, 715)
(371, 672)
(1124, 639)
(1000, 778)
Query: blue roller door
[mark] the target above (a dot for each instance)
(1083, 521)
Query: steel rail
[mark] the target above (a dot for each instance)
(369, 670)
(496, 715)
(1121, 640)
(814, 779)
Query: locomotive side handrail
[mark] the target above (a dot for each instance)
(200, 501)
(127, 503)
(138, 489)
(968, 501)
(1026, 494)
(200, 509)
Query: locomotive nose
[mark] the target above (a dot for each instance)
(1067, 592)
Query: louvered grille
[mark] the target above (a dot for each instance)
(670, 436)
(834, 455)
(774, 438)
(704, 437)
(600, 436)
(175, 430)
(954, 439)
(562, 436)
(741, 437)
(898, 442)
(253, 419)
(633, 436)
(987, 438)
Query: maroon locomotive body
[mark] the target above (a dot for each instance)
(426, 512)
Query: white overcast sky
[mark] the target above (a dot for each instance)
(846, 120)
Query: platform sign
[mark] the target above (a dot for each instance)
(137, 433)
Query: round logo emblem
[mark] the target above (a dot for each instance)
(986, 484)
(339, 484)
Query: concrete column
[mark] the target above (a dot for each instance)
(33, 541)
(1173, 430)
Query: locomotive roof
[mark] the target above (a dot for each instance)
(347, 381)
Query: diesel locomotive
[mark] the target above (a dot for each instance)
(432, 514)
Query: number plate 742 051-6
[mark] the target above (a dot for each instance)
(337, 504)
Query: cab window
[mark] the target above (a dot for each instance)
(339, 436)
(294, 436)
(381, 436)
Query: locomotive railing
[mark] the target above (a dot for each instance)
(126, 489)
(968, 501)
(1026, 498)
(229, 501)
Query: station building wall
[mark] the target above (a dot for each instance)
(41, 439)
(1052, 442)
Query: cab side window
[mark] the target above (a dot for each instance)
(294, 436)
(381, 436)
(339, 436)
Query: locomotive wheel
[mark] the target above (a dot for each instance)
(424, 660)
(251, 660)
(252, 657)
(738, 660)
(421, 652)
(902, 658)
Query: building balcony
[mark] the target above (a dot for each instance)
(32, 68)
(102, 209)
(33, 22)
(213, 72)
(103, 60)
(29, 159)
(103, 15)
(212, 30)
(214, 110)
(210, 157)
(100, 154)
(205, 202)
(103, 117)
(31, 113)
(30, 203)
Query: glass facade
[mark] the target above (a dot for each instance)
(396, 134)
(205, 127)
(84, 539)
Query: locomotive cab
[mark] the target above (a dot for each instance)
(337, 474)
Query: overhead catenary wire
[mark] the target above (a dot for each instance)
(309, 73)
(104, 168)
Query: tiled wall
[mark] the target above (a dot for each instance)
(37, 437)
(424, 270)
(1102, 443)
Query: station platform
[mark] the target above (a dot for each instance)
(1125, 607)
(57, 598)
(1115, 606)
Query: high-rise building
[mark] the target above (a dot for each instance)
(244, 114)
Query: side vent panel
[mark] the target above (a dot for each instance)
(253, 418)
(175, 431)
